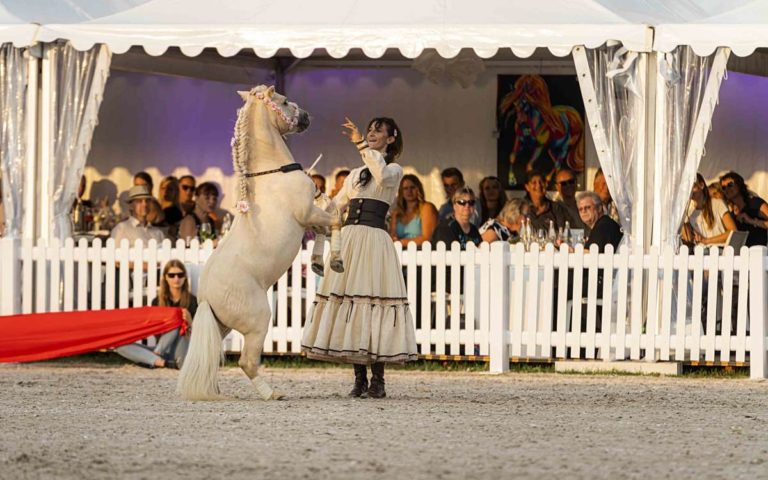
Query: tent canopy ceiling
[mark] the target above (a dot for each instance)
(411, 26)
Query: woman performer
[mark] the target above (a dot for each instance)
(361, 315)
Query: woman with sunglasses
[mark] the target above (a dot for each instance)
(492, 198)
(751, 211)
(459, 228)
(709, 220)
(361, 315)
(171, 348)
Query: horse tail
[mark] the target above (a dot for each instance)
(198, 378)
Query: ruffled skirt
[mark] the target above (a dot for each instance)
(361, 315)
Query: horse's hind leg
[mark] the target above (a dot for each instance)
(254, 333)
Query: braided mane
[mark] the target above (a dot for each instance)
(240, 148)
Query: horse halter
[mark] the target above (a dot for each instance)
(290, 121)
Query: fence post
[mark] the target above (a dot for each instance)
(10, 293)
(758, 291)
(499, 307)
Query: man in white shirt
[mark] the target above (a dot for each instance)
(136, 226)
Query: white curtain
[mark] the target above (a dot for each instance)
(14, 70)
(614, 95)
(78, 89)
(690, 91)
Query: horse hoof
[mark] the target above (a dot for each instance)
(337, 266)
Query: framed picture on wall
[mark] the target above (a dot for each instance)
(540, 120)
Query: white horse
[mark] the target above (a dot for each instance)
(276, 205)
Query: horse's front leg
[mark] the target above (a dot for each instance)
(318, 217)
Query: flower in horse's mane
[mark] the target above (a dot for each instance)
(242, 206)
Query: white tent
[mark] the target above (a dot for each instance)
(446, 26)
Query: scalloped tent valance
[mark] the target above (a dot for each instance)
(410, 26)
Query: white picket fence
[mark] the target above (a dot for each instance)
(498, 301)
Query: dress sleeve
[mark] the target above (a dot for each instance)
(341, 200)
(384, 175)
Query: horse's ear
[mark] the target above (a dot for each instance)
(243, 95)
(270, 91)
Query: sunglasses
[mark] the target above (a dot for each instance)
(187, 188)
(464, 203)
(176, 275)
(727, 184)
(567, 183)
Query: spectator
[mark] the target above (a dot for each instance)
(543, 210)
(143, 178)
(341, 175)
(155, 215)
(319, 182)
(192, 226)
(709, 220)
(453, 180)
(492, 198)
(169, 200)
(565, 182)
(715, 191)
(601, 188)
(171, 347)
(187, 185)
(750, 210)
(506, 226)
(603, 229)
(457, 227)
(413, 218)
(137, 226)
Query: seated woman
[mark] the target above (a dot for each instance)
(506, 226)
(459, 229)
(171, 348)
(413, 218)
(492, 198)
(751, 211)
(543, 210)
(709, 220)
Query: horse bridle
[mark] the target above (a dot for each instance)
(284, 169)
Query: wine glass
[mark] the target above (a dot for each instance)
(205, 232)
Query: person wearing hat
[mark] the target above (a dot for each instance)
(137, 226)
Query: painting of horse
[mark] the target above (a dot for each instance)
(541, 127)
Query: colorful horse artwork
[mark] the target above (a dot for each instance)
(547, 137)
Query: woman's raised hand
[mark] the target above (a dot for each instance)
(353, 133)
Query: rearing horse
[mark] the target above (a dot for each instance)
(276, 206)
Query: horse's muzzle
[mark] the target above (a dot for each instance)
(303, 122)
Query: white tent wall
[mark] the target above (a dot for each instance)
(170, 125)
(739, 137)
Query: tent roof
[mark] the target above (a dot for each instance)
(410, 25)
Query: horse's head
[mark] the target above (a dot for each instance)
(286, 116)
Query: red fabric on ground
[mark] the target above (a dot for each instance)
(41, 336)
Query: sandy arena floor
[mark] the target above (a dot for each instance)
(91, 421)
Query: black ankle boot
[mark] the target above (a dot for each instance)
(361, 381)
(376, 389)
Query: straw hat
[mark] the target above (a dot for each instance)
(137, 192)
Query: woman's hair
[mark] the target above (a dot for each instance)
(164, 292)
(531, 175)
(706, 211)
(486, 211)
(400, 206)
(171, 180)
(739, 181)
(460, 192)
(513, 210)
(207, 188)
(394, 149)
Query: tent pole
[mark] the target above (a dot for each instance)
(45, 148)
(30, 168)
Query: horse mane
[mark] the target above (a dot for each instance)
(240, 148)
